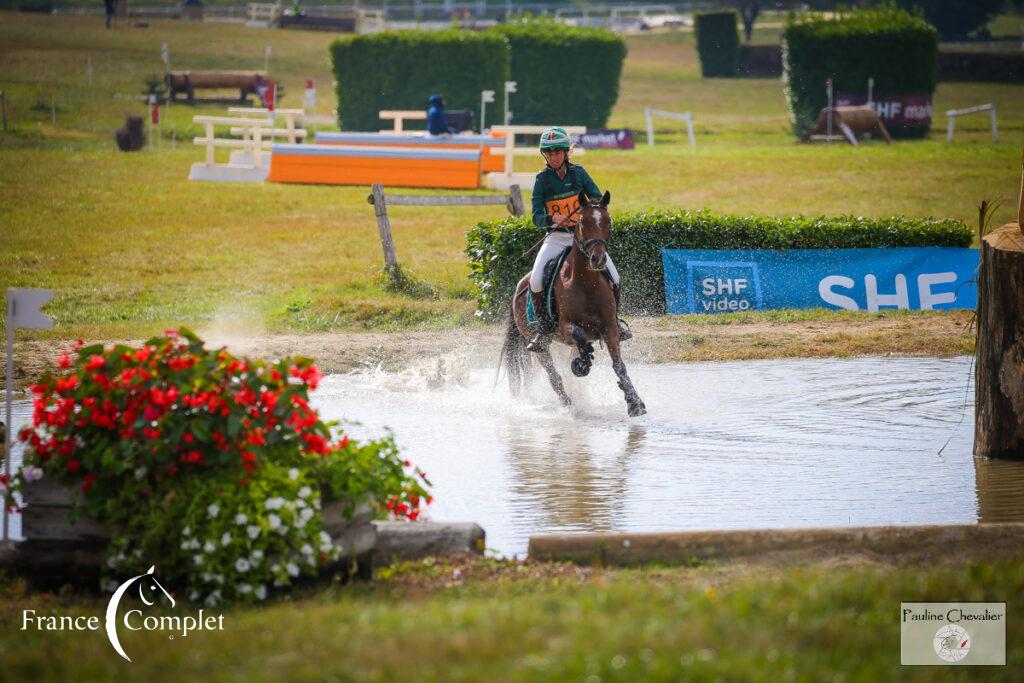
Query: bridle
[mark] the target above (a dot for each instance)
(585, 246)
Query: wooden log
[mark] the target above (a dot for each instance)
(216, 79)
(770, 545)
(416, 540)
(999, 376)
(384, 228)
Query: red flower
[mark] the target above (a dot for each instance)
(73, 465)
(87, 481)
(63, 361)
(95, 362)
(77, 345)
(142, 355)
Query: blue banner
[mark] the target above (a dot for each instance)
(917, 278)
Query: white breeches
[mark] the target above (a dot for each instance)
(553, 245)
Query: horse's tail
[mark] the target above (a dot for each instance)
(515, 355)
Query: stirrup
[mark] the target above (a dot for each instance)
(624, 331)
(539, 343)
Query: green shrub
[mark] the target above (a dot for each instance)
(495, 248)
(718, 43)
(564, 75)
(401, 69)
(898, 50)
(955, 18)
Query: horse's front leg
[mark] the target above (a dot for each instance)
(581, 365)
(548, 363)
(634, 404)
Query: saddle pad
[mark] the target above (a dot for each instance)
(550, 269)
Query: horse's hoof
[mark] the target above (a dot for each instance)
(637, 409)
(580, 367)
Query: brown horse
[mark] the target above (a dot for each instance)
(585, 307)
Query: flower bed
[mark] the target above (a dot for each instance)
(215, 467)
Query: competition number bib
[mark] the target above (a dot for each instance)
(567, 206)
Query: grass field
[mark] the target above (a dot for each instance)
(487, 620)
(132, 246)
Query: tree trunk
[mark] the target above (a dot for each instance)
(749, 13)
(999, 391)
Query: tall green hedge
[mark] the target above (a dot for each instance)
(495, 248)
(402, 69)
(718, 43)
(897, 49)
(564, 75)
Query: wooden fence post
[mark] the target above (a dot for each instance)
(999, 390)
(515, 200)
(384, 228)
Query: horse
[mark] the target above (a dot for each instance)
(584, 306)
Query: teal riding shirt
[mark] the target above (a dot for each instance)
(548, 187)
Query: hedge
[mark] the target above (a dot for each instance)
(955, 18)
(402, 69)
(718, 43)
(897, 49)
(563, 74)
(969, 65)
(495, 248)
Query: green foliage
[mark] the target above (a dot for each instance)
(564, 75)
(152, 435)
(401, 69)
(897, 49)
(494, 249)
(718, 43)
(955, 18)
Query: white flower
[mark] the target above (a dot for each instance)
(241, 519)
(198, 559)
(185, 545)
(213, 598)
(194, 545)
(293, 569)
(274, 503)
(300, 522)
(193, 596)
(258, 554)
(207, 577)
(219, 578)
(307, 513)
(209, 547)
(293, 473)
(261, 592)
(32, 473)
(242, 564)
(325, 537)
(213, 510)
(225, 539)
(253, 531)
(305, 492)
(274, 521)
(244, 588)
(306, 549)
(186, 532)
(111, 561)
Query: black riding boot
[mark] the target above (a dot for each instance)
(540, 339)
(624, 332)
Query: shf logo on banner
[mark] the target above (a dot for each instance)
(723, 286)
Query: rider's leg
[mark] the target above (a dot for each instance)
(551, 248)
(624, 332)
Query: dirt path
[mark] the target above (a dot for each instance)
(658, 340)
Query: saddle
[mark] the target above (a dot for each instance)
(548, 287)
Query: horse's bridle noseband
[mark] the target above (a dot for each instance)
(584, 247)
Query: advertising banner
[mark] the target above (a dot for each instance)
(620, 138)
(721, 281)
(896, 111)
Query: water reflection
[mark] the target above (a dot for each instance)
(999, 485)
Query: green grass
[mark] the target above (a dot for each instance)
(544, 623)
(132, 246)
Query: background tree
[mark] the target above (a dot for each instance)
(956, 18)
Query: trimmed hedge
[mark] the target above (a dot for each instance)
(563, 74)
(897, 49)
(718, 43)
(495, 248)
(401, 69)
(955, 18)
(964, 65)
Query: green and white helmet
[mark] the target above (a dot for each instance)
(555, 138)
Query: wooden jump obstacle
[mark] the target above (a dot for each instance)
(188, 82)
(399, 117)
(363, 165)
(952, 114)
(504, 179)
(687, 117)
(249, 166)
(851, 121)
(999, 377)
(513, 201)
(490, 160)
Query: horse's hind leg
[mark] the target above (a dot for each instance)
(634, 404)
(548, 363)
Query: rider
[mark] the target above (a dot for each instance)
(555, 204)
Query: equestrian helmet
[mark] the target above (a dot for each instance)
(555, 138)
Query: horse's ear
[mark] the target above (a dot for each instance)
(606, 199)
(584, 199)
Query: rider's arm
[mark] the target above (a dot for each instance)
(540, 210)
(588, 184)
